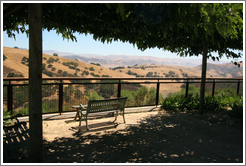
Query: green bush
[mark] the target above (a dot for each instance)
(43, 66)
(4, 57)
(78, 94)
(92, 96)
(49, 66)
(48, 73)
(51, 60)
(91, 69)
(216, 103)
(64, 74)
(14, 75)
(71, 67)
(6, 114)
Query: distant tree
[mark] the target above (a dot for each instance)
(71, 67)
(64, 74)
(15, 47)
(11, 74)
(43, 66)
(51, 60)
(55, 54)
(149, 74)
(97, 64)
(4, 57)
(24, 59)
(78, 94)
(49, 66)
(91, 69)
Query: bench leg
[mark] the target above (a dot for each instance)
(116, 115)
(124, 117)
(87, 123)
(80, 118)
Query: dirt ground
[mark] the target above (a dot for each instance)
(147, 137)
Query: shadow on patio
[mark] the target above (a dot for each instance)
(161, 138)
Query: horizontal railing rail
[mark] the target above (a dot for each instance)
(60, 87)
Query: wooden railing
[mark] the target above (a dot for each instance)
(59, 82)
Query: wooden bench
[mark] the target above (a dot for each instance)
(102, 106)
(15, 140)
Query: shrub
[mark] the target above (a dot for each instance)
(49, 66)
(91, 69)
(65, 63)
(85, 72)
(24, 59)
(216, 103)
(59, 71)
(11, 74)
(43, 66)
(64, 74)
(92, 96)
(48, 73)
(78, 94)
(71, 67)
(50, 60)
(105, 75)
(4, 57)
(53, 69)
(97, 64)
(6, 114)
(95, 75)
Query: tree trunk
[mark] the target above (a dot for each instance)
(203, 80)
(35, 81)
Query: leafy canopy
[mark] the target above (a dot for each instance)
(182, 28)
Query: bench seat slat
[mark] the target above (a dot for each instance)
(102, 106)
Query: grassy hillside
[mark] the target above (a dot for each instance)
(14, 62)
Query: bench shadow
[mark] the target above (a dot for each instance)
(79, 130)
(176, 138)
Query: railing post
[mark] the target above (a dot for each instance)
(213, 88)
(119, 89)
(187, 88)
(238, 85)
(60, 97)
(157, 93)
(10, 98)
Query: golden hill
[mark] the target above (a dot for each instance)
(15, 56)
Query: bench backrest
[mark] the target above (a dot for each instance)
(95, 106)
(15, 134)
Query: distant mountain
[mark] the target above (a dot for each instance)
(225, 70)
(110, 61)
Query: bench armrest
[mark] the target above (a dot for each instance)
(82, 107)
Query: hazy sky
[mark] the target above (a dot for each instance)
(87, 45)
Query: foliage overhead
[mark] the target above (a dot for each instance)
(182, 28)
